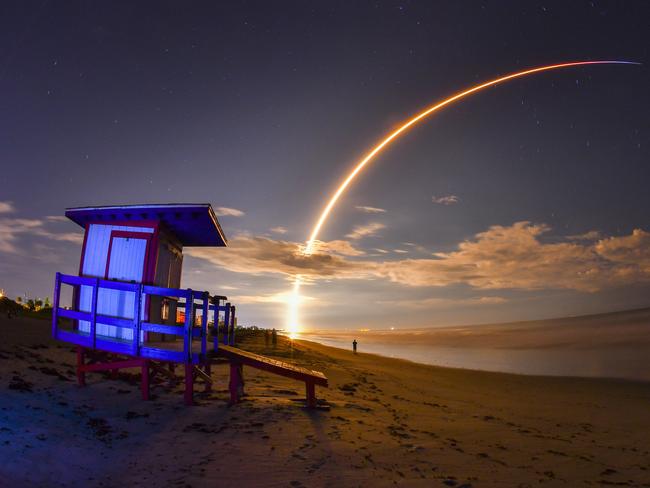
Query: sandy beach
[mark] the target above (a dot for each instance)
(390, 422)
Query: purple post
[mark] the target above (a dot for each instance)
(55, 304)
(137, 312)
(189, 314)
(204, 324)
(226, 324)
(93, 313)
(231, 341)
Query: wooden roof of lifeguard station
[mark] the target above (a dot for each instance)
(195, 224)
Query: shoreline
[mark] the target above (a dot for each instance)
(391, 422)
(474, 370)
(611, 363)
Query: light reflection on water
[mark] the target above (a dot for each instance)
(627, 362)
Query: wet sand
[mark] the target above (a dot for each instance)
(390, 422)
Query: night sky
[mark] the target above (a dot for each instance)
(528, 200)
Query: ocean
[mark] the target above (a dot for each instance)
(615, 345)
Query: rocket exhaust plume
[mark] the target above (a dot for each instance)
(309, 246)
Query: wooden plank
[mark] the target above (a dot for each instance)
(74, 314)
(163, 329)
(168, 292)
(118, 285)
(102, 319)
(272, 365)
(199, 372)
(76, 280)
(118, 346)
(74, 338)
(162, 354)
(116, 321)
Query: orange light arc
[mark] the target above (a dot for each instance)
(309, 247)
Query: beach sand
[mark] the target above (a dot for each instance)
(390, 422)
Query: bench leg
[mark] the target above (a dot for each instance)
(144, 383)
(81, 375)
(208, 370)
(236, 385)
(189, 384)
(311, 395)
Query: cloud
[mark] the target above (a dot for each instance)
(372, 210)
(57, 218)
(7, 207)
(500, 258)
(446, 200)
(365, 230)
(344, 248)
(279, 230)
(12, 229)
(400, 251)
(445, 302)
(514, 258)
(229, 212)
(261, 255)
(273, 298)
(592, 235)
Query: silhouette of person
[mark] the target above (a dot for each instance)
(267, 337)
(354, 346)
(274, 337)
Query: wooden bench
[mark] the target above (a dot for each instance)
(238, 358)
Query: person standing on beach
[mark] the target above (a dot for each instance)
(354, 346)
(274, 337)
(266, 337)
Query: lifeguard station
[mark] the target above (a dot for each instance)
(128, 310)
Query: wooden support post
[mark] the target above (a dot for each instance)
(204, 324)
(226, 324)
(81, 375)
(144, 385)
(208, 371)
(311, 394)
(189, 384)
(231, 341)
(55, 304)
(93, 313)
(137, 313)
(189, 323)
(236, 385)
(215, 327)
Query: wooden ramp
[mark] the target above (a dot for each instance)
(238, 358)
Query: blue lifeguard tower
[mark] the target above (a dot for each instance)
(128, 309)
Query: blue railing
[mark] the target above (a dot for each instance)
(139, 345)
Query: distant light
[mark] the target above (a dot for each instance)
(392, 328)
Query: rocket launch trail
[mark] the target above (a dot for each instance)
(383, 143)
